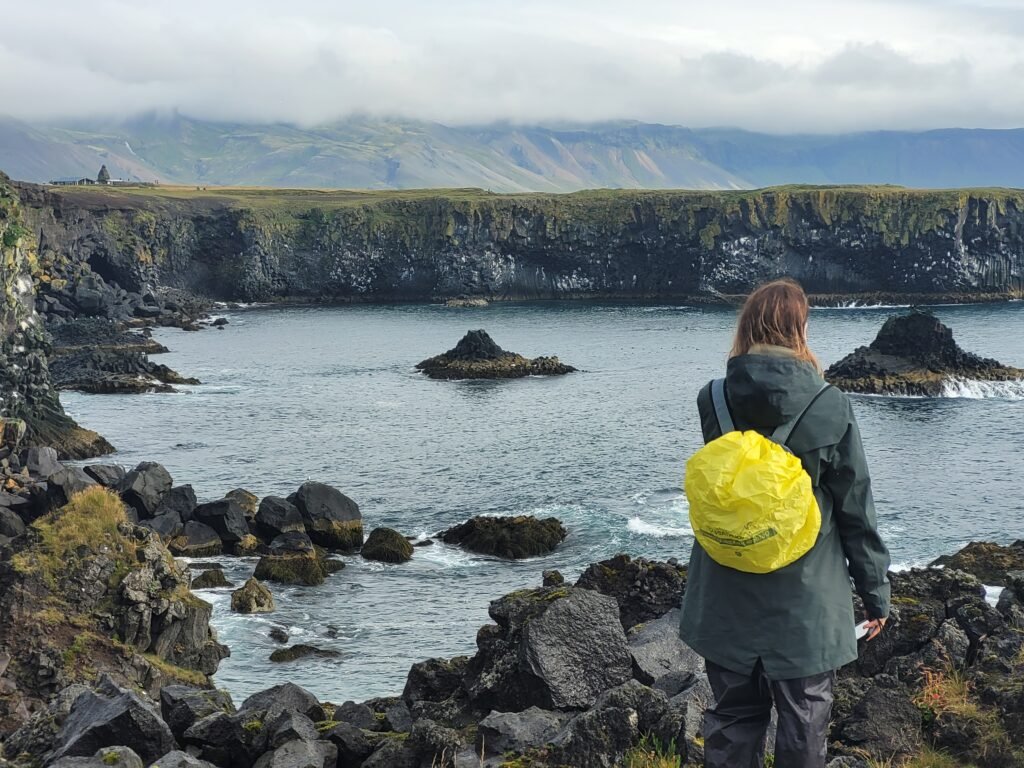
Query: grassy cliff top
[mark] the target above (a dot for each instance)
(304, 199)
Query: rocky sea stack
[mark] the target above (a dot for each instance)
(914, 354)
(476, 356)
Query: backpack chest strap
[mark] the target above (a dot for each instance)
(783, 432)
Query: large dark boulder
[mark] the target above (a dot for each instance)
(112, 718)
(884, 724)
(435, 679)
(180, 501)
(476, 356)
(247, 500)
(108, 475)
(109, 757)
(226, 517)
(517, 732)
(508, 537)
(65, 483)
(145, 487)
(353, 746)
(288, 726)
(555, 648)
(598, 738)
(387, 546)
(913, 354)
(179, 759)
(182, 706)
(228, 740)
(168, 526)
(41, 462)
(285, 697)
(197, 540)
(657, 650)
(300, 754)
(332, 519)
(11, 524)
(644, 589)
(276, 516)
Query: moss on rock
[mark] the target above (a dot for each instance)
(387, 546)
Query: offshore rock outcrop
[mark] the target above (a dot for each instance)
(914, 354)
(415, 246)
(25, 389)
(476, 356)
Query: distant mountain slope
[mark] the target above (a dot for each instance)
(402, 154)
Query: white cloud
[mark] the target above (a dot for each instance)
(814, 66)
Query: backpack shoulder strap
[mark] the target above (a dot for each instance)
(783, 432)
(725, 423)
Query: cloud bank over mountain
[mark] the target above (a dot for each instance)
(818, 66)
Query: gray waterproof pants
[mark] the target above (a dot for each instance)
(735, 727)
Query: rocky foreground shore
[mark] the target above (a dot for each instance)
(106, 653)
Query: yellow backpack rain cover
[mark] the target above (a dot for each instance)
(752, 506)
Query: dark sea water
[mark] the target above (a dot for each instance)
(331, 394)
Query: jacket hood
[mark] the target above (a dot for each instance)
(769, 387)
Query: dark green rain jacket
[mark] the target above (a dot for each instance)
(798, 621)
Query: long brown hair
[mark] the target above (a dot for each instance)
(776, 314)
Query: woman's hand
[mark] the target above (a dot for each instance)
(874, 627)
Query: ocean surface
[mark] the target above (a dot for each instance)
(331, 394)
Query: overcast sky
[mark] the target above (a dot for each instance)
(775, 65)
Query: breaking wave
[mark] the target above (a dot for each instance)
(643, 528)
(974, 389)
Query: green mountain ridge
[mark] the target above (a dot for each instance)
(366, 153)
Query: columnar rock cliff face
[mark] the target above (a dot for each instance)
(262, 245)
(25, 391)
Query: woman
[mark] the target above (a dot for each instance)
(780, 636)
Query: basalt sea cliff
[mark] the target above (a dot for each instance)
(265, 245)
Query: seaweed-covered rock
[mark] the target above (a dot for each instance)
(331, 518)
(210, 579)
(252, 597)
(301, 651)
(476, 356)
(644, 589)
(508, 537)
(991, 563)
(913, 354)
(387, 546)
(292, 560)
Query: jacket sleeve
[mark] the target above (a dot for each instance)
(848, 481)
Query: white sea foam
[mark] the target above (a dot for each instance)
(992, 594)
(644, 528)
(976, 390)
(859, 305)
